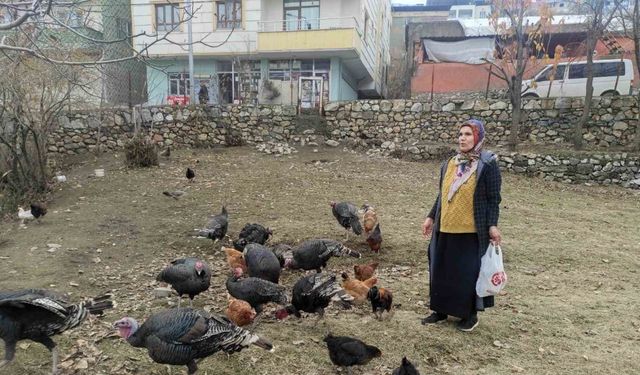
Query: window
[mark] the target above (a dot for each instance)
(301, 14)
(179, 84)
(229, 14)
(577, 71)
(238, 81)
(123, 28)
(465, 13)
(167, 17)
(546, 75)
(608, 69)
(452, 14)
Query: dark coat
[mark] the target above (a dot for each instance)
(486, 208)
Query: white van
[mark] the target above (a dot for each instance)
(610, 77)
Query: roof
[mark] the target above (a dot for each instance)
(420, 8)
(483, 27)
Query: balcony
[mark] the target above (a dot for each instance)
(301, 35)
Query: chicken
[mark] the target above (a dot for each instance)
(312, 294)
(38, 210)
(347, 215)
(36, 314)
(365, 271)
(24, 216)
(256, 291)
(369, 218)
(191, 174)
(262, 263)
(406, 368)
(348, 351)
(314, 254)
(358, 289)
(182, 336)
(240, 312)
(189, 276)
(174, 194)
(374, 240)
(381, 300)
(235, 260)
(166, 152)
(252, 233)
(217, 226)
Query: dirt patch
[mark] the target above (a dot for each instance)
(571, 253)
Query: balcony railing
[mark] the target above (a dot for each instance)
(298, 24)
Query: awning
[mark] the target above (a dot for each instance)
(470, 51)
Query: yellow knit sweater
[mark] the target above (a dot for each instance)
(457, 216)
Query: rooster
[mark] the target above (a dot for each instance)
(374, 240)
(369, 218)
(235, 260)
(365, 271)
(347, 351)
(240, 312)
(358, 289)
(406, 368)
(381, 300)
(347, 215)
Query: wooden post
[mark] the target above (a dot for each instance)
(486, 92)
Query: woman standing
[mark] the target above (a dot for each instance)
(464, 219)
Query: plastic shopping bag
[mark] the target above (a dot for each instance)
(492, 278)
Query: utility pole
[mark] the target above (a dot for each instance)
(192, 88)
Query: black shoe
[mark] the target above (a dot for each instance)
(434, 318)
(467, 325)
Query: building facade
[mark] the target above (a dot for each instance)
(266, 51)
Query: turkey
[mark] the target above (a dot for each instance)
(282, 251)
(252, 233)
(182, 336)
(216, 227)
(347, 215)
(262, 262)
(406, 368)
(312, 294)
(189, 276)
(256, 291)
(37, 314)
(314, 254)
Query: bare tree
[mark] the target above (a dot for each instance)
(599, 17)
(630, 20)
(518, 42)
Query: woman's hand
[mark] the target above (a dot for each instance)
(427, 227)
(494, 235)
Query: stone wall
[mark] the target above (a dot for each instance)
(195, 126)
(546, 121)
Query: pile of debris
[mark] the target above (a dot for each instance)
(276, 148)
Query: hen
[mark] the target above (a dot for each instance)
(38, 210)
(347, 215)
(314, 254)
(182, 336)
(406, 368)
(381, 300)
(348, 351)
(365, 271)
(312, 294)
(240, 312)
(369, 218)
(191, 174)
(189, 276)
(256, 291)
(358, 289)
(252, 233)
(235, 260)
(24, 216)
(36, 314)
(374, 240)
(217, 226)
(262, 263)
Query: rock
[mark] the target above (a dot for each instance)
(449, 107)
(162, 292)
(332, 143)
(621, 126)
(499, 105)
(416, 107)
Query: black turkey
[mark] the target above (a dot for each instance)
(37, 314)
(314, 254)
(256, 291)
(181, 336)
(189, 276)
(262, 262)
(347, 215)
(252, 233)
(313, 293)
(406, 368)
(217, 226)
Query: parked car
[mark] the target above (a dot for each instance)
(610, 77)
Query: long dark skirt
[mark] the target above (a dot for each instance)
(454, 271)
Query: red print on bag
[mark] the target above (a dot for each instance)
(498, 278)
